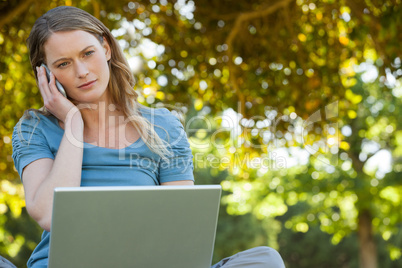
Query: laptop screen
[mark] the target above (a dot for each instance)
(135, 226)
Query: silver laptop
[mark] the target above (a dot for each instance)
(141, 226)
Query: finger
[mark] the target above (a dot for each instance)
(43, 83)
(52, 84)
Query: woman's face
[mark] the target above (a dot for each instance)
(79, 62)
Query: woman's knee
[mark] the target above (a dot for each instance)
(259, 257)
(4, 263)
(270, 257)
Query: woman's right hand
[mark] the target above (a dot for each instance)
(61, 107)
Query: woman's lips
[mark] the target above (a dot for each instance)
(88, 84)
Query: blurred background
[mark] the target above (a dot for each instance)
(293, 106)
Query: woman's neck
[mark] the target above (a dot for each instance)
(101, 116)
(104, 124)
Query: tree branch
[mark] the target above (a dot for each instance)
(243, 17)
(214, 15)
(375, 25)
(254, 15)
(15, 12)
(96, 7)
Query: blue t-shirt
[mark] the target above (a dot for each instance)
(40, 136)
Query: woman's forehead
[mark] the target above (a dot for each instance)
(68, 42)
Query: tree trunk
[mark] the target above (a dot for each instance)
(368, 249)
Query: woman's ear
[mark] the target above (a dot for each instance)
(106, 47)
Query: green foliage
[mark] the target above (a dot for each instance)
(237, 233)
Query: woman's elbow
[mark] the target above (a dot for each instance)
(42, 218)
(45, 224)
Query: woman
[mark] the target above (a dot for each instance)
(99, 134)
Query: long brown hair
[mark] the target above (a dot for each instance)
(121, 83)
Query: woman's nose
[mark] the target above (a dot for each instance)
(82, 70)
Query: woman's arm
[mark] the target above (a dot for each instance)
(42, 176)
(178, 168)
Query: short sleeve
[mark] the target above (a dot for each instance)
(179, 165)
(29, 143)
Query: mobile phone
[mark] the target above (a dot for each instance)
(58, 85)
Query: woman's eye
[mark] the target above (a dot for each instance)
(89, 53)
(64, 64)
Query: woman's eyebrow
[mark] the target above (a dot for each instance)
(82, 51)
